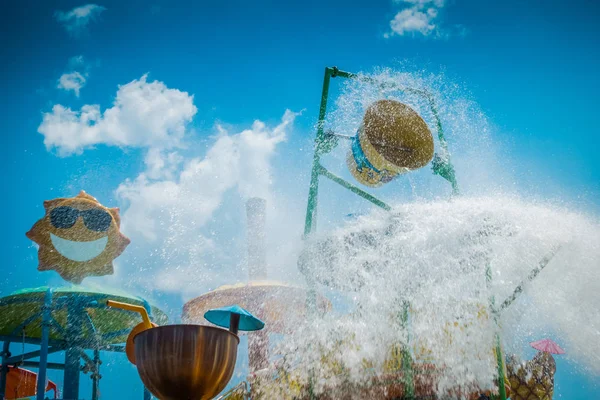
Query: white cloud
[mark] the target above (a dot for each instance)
(76, 20)
(160, 164)
(144, 114)
(239, 161)
(75, 80)
(411, 20)
(72, 81)
(419, 18)
(167, 207)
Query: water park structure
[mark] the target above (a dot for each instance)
(195, 359)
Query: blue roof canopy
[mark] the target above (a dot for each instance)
(222, 317)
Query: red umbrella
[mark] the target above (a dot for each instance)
(22, 383)
(547, 346)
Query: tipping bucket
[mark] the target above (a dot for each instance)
(392, 139)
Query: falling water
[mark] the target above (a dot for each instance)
(441, 263)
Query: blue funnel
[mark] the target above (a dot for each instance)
(230, 316)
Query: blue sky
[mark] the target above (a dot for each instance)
(531, 68)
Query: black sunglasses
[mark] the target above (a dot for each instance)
(94, 219)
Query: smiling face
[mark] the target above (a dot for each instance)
(78, 237)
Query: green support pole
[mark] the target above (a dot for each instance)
(442, 166)
(499, 355)
(353, 188)
(311, 209)
(532, 275)
(407, 367)
(96, 375)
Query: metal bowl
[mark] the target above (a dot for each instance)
(185, 362)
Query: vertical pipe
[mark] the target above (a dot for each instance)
(407, 366)
(234, 323)
(72, 356)
(311, 208)
(443, 144)
(46, 321)
(258, 342)
(498, 346)
(501, 376)
(96, 375)
(4, 369)
(310, 224)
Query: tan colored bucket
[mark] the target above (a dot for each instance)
(392, 139)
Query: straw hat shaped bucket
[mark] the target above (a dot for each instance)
(391, 140)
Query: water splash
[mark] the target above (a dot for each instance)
(480, 160)
(433, 257)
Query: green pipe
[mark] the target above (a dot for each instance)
(532, 275)
(500, 361)
(499, 355)
(355, 189)
(96, 375)
(335, 72)
(392, 85)
(311, 208)
(407, 367)
(438, 122)
(446, 169)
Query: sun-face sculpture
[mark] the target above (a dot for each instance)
(78, 237)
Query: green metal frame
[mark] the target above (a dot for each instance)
(499, 355)
(441, 165)
(325, 142)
